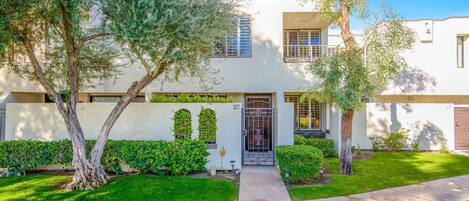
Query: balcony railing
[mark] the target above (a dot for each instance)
(307, 53)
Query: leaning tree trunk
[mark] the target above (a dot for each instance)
(346, 144)
(132, 92)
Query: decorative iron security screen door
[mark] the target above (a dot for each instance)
(258, 131)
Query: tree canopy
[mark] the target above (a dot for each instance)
(38, 24)
(358, 72)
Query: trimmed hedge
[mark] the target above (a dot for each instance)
(327, 146)
(208, 125)
(182, 124)
(301, 161)
(179, 157)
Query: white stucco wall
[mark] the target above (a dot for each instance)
(140, 121)
(424, 121)
(264, 72)
(285, 124)
(432, 61)
(335, 124)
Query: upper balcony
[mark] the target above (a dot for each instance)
(305, 37)
(307, 53)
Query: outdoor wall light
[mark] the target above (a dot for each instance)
(287, 177)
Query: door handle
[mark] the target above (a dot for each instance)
(245, 132)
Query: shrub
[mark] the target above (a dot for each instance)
(443, 145)
(395, 141)
(174, 158)
(208, 125)
(415, 145)
(376, 143)
(182, 124)
(327, 146)
(300, 161)
(299, 139)
(185, 98)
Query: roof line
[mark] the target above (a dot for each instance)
(443, 19)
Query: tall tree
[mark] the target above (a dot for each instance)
(358, 72)
(168, 38)
(46, 41)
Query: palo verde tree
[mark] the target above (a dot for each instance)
(168, 39)
(358, 72)
(46, 41)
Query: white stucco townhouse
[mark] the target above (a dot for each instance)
(262, 68)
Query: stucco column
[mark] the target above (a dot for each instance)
(284, 120)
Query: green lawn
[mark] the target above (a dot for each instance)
(43, 187)
(385, 170)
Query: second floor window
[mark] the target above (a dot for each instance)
(238, 44)
(301, 45)
(460, 51)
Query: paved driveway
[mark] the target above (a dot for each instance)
(450, 189)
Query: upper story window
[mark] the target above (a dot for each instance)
(237, 44)
(460, 51)
(304, 46)
(307, 114)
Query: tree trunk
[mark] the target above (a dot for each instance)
(346, 144)
(344, 25)
(86, 176)
(132, 92)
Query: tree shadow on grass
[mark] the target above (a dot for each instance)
(386, 170)
(43, 187)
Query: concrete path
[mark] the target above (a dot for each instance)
(462, 152)
(450, 189)
(262, 184)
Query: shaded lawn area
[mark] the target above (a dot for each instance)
(44, 187)
(385, 170)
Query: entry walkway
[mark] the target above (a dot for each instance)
(450, 189)
(262, 184)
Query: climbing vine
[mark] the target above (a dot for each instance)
(182, 128)
(208, 125)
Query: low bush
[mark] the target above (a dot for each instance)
(415, 145)
(299, 139)
(395, 141)
(391, 141)
(302, 162)
(185, 98)
(327, 146)
(376, 143)
(179, 157)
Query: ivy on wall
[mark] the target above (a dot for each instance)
(185, 98)
(182, 124)
(208, 125)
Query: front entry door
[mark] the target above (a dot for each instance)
(461, 128)
(258, 132)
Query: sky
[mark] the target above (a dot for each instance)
(418, 9)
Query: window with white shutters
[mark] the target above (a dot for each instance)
(237, 44)
(307, 114)
(302, 45)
